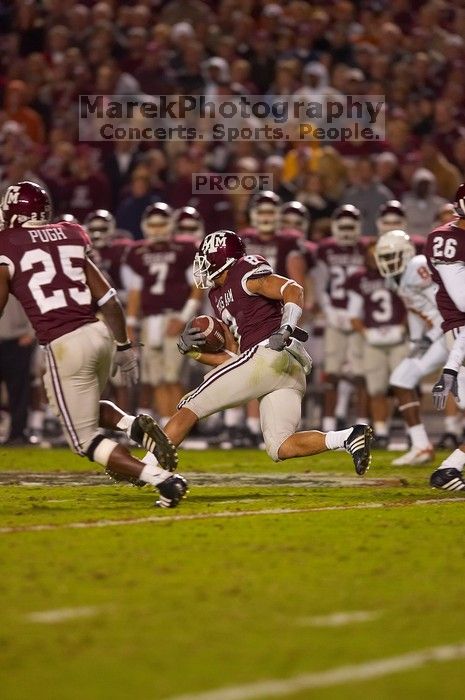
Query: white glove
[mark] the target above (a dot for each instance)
(280, 340)
(126, 359)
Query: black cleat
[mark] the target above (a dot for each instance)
(172, 491)
(148, 434)
(450, 479)
(358, 446)
(447, 441)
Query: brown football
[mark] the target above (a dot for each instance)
(212, 328)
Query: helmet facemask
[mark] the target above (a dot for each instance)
(390, 222)
(265, 218)
(393, 254)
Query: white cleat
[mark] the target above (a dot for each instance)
(415, 456)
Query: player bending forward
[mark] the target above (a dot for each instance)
(271, 364)
(45, 266)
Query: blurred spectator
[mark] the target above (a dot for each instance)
(421, 203)
(313, 195)
(17, 109)
(129, 212)
(367, 194)
(312, 157)
(447, 175)
(16, 346)
(387, 172)
(118, 166)
(214, 207)
(87, 188)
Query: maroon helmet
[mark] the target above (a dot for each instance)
(100, 225)
(460, 201)
(264, 211)
(188, 220)
(217, 252)
(25, 205)
(295, 215)
(346, 224)
(157, 222)
(391, 216)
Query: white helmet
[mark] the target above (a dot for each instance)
(393, 252)
(346, 226)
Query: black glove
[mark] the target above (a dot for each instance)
(280, 340)
(126, 359)
(446, 384)
(420, 346)
(190, 339)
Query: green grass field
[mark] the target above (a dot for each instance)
(329, 585)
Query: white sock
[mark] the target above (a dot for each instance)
(455, 460)
(381, 428)
(253, 425)
(344, 392)
(125, 423)
(36, 420)
(419, 437)
(233, 417)
(152, 473)
(452, 424)
(335, 439)
(328, 423)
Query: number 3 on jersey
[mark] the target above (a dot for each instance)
(57, 299)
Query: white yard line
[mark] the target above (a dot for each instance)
(53, 617)
(339, 619)
(335, 676)
(221, 514)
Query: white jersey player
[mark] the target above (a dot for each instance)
(409, 276)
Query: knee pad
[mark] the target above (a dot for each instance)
(100, 449)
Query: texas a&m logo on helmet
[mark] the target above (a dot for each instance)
(25, 205)
(217, 252)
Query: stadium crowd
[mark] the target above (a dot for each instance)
(411, 51)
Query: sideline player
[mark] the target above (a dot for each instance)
(46, 267)
(339, 257)
(378, 313)
(261, 310)
(163, 298)
(445, 252)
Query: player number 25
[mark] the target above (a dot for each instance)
(57, 299)
(444, 248)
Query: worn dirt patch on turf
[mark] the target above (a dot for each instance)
(314, 480)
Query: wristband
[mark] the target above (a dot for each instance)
(291, 314)
(123, 346)
(106, 297)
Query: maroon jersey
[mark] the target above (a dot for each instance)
(341, 261)
(381, 306)
(275, 250)
(110, 258)
(446, 245)
(251, 318)
(309, 250)
(47, 276)
(164, 271)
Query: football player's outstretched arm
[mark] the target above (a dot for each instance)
(4, 286)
